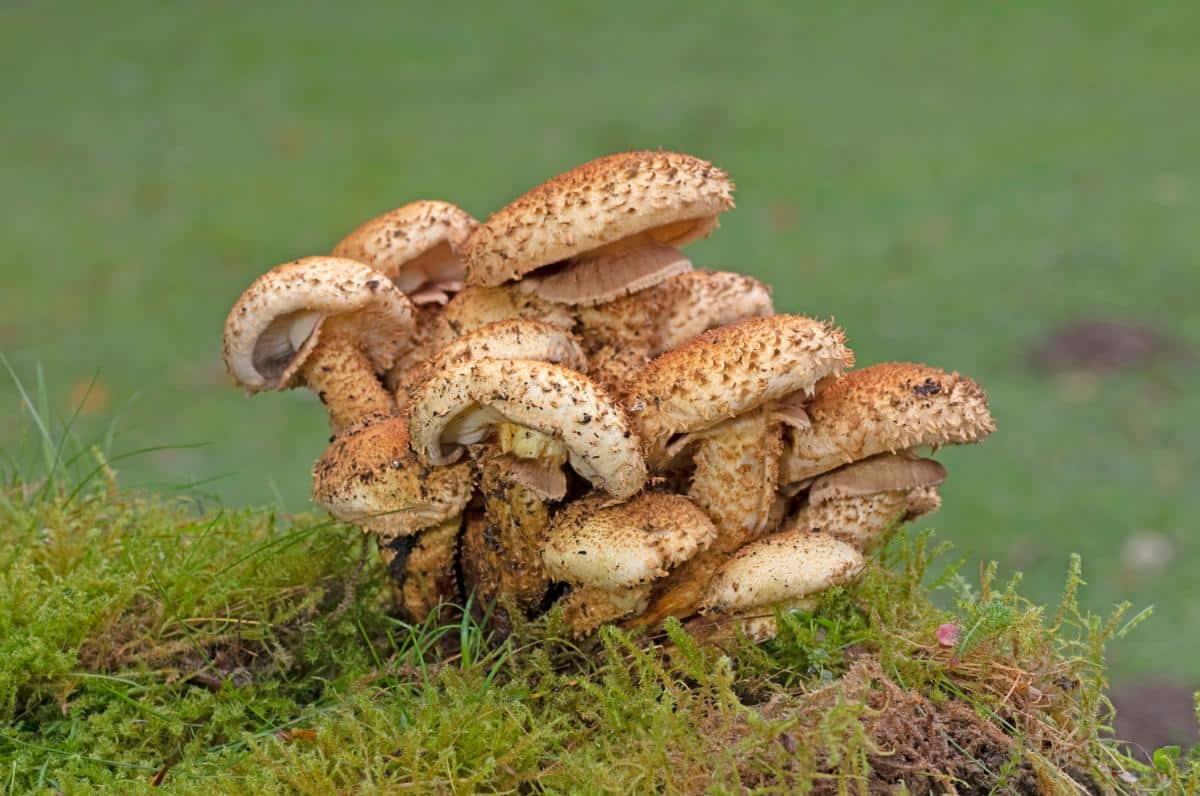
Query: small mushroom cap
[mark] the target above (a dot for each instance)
(368, 476)
(594, 543)
(782, 567)
(675, 198)
(459, 404)
(886, 408)
(584, 609)
(476, 307)
(862, 520)
(276, 323)
(731, 370)
(412, 245)
(512, 339)
(886, 472)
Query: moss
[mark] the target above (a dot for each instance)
(144, 640)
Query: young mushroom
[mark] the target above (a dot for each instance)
(535, 418)
(413, 246)
(862, 502)
(368, 476)
(719, 394)
(626, 333)
(611, 554)
(602, 230)
(326, 322)
(782, 571)
(885, 408)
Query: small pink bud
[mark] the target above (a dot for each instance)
(947, 634)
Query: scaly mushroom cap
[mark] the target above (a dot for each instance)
(731, 370)
(886, 408)
(865, 520)
(674, 198)
(460, 404)
(512, 339)
(610, 547)
(476, 307)
(368, 476)
(276, 323)
(414, 246)
(781, 568)
(886, 472)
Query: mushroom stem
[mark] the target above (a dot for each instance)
(736, 476)
(586, 608)
(423, 569)
(341, 376)
(503, 555)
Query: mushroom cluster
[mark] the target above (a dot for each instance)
(554, 409)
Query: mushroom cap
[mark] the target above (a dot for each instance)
(458, 404)
(861, 520)
(594, 543)
(412, 245)
(515, 338)
(675, 198)
(368, 476)
(584, 609)
(276, 323)
(887, 472)
(888, 407)
(730, 370)
(782, 567)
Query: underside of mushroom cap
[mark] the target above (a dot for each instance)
(275, 324)
(886, 472)
(460, 405)
(730, 370)
(414, 246)
(512, 339)
(674, 197)
(609, 273)
(886, 408)
(369, 476)
(781, 567)
(595, 543)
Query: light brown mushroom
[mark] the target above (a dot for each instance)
(535, 417)
(413, 246)
(512, 339)
(476, 307)
(625, 334)
(782, 571)
(863, 502)
(605, 229)
(368, 476)
(717, 394)
(326, 322)
(611, 553)
(885, 408)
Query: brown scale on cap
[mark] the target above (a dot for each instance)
(617, 221)
(886, 408)
(329, 323)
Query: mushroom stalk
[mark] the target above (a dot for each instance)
(423, 568)
(736, 475)
(342, 377)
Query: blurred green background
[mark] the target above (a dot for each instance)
(950, 183)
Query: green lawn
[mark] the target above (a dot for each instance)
(948, 182)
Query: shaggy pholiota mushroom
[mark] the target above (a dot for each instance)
(611, 554)
(887, 408)
(368, 476)
(862, 502)
(783, 571)
(602, 230)
(329, 323)
(511, 339)
(413, 246)
(524, 420)
(716, 398)
(623, 335)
